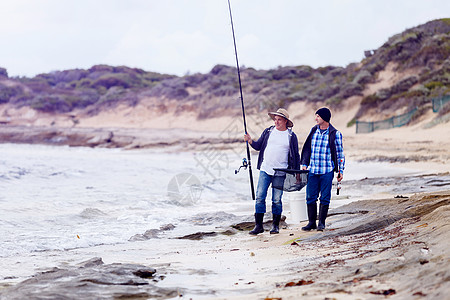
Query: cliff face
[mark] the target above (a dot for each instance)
(417, 62)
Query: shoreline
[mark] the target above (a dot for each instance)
(409, 147)
(389, 247)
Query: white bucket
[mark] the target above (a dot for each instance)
(297, 203)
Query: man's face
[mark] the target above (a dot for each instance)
(280, 123)
(319, 120)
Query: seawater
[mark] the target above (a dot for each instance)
(59, 198)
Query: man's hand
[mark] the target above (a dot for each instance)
(298, 179)
(248, 138)
(304, 167)
(339, 177)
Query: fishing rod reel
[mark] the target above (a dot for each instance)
(244, 165)
(338, 188)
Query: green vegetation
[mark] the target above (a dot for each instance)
(351, 122)
(433, 84)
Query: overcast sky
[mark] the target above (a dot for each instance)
(189, 36)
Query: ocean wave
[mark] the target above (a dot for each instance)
(91, 213)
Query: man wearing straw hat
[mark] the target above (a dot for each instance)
(278, 148)
(323, 154)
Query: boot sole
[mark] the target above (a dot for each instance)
(255, 233)
(308, 229)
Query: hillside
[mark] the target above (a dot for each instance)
(406, 72)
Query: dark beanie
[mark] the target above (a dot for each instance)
(324, 113)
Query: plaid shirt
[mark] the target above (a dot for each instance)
(321, 161)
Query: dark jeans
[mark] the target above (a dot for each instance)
(264, 182)
(319, 184)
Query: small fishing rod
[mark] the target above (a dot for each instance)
(246, 163)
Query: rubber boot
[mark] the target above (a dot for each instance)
(312, 217)
(323, 212)
(275, 224)
(258, 224)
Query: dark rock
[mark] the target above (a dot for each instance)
(368, 53)
(197, 235)
(247, 226)
(96, 261)
(92, 280)
(151, 233)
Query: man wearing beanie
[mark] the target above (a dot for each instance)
(323, 154)
(278, 148)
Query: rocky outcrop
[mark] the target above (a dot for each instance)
(92, 280)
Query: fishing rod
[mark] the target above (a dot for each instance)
(246, 163)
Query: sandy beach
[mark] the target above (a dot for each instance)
(388, 248)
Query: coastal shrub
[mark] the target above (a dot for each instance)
(351, 122)
(3, 72)
(21, 100)
(195, 79)
(439, 91)
(333, 102)
(50, 103)
(83, 83)
(408, 95)
(297, 96)
(370, 100)
(351, 89)
(363, 77)
(84, 98)
(67, 76)
(375, 67)
(326, 91)
(179, 93)
(8, 92)
(110, 80)
(433, 84)
(404, 84)
(222, 70)
(225, 90)
(36, 84)
(256, 87)
(383, 94)
(99, 70)
(325, 70)
(282, 73)
(113, 94)
(172, 88)
(435, 51)
(47, 78)
(336, 72)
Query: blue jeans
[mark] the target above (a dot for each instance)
(319, 184)
(261, 193)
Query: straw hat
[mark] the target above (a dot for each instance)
(282, 113)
